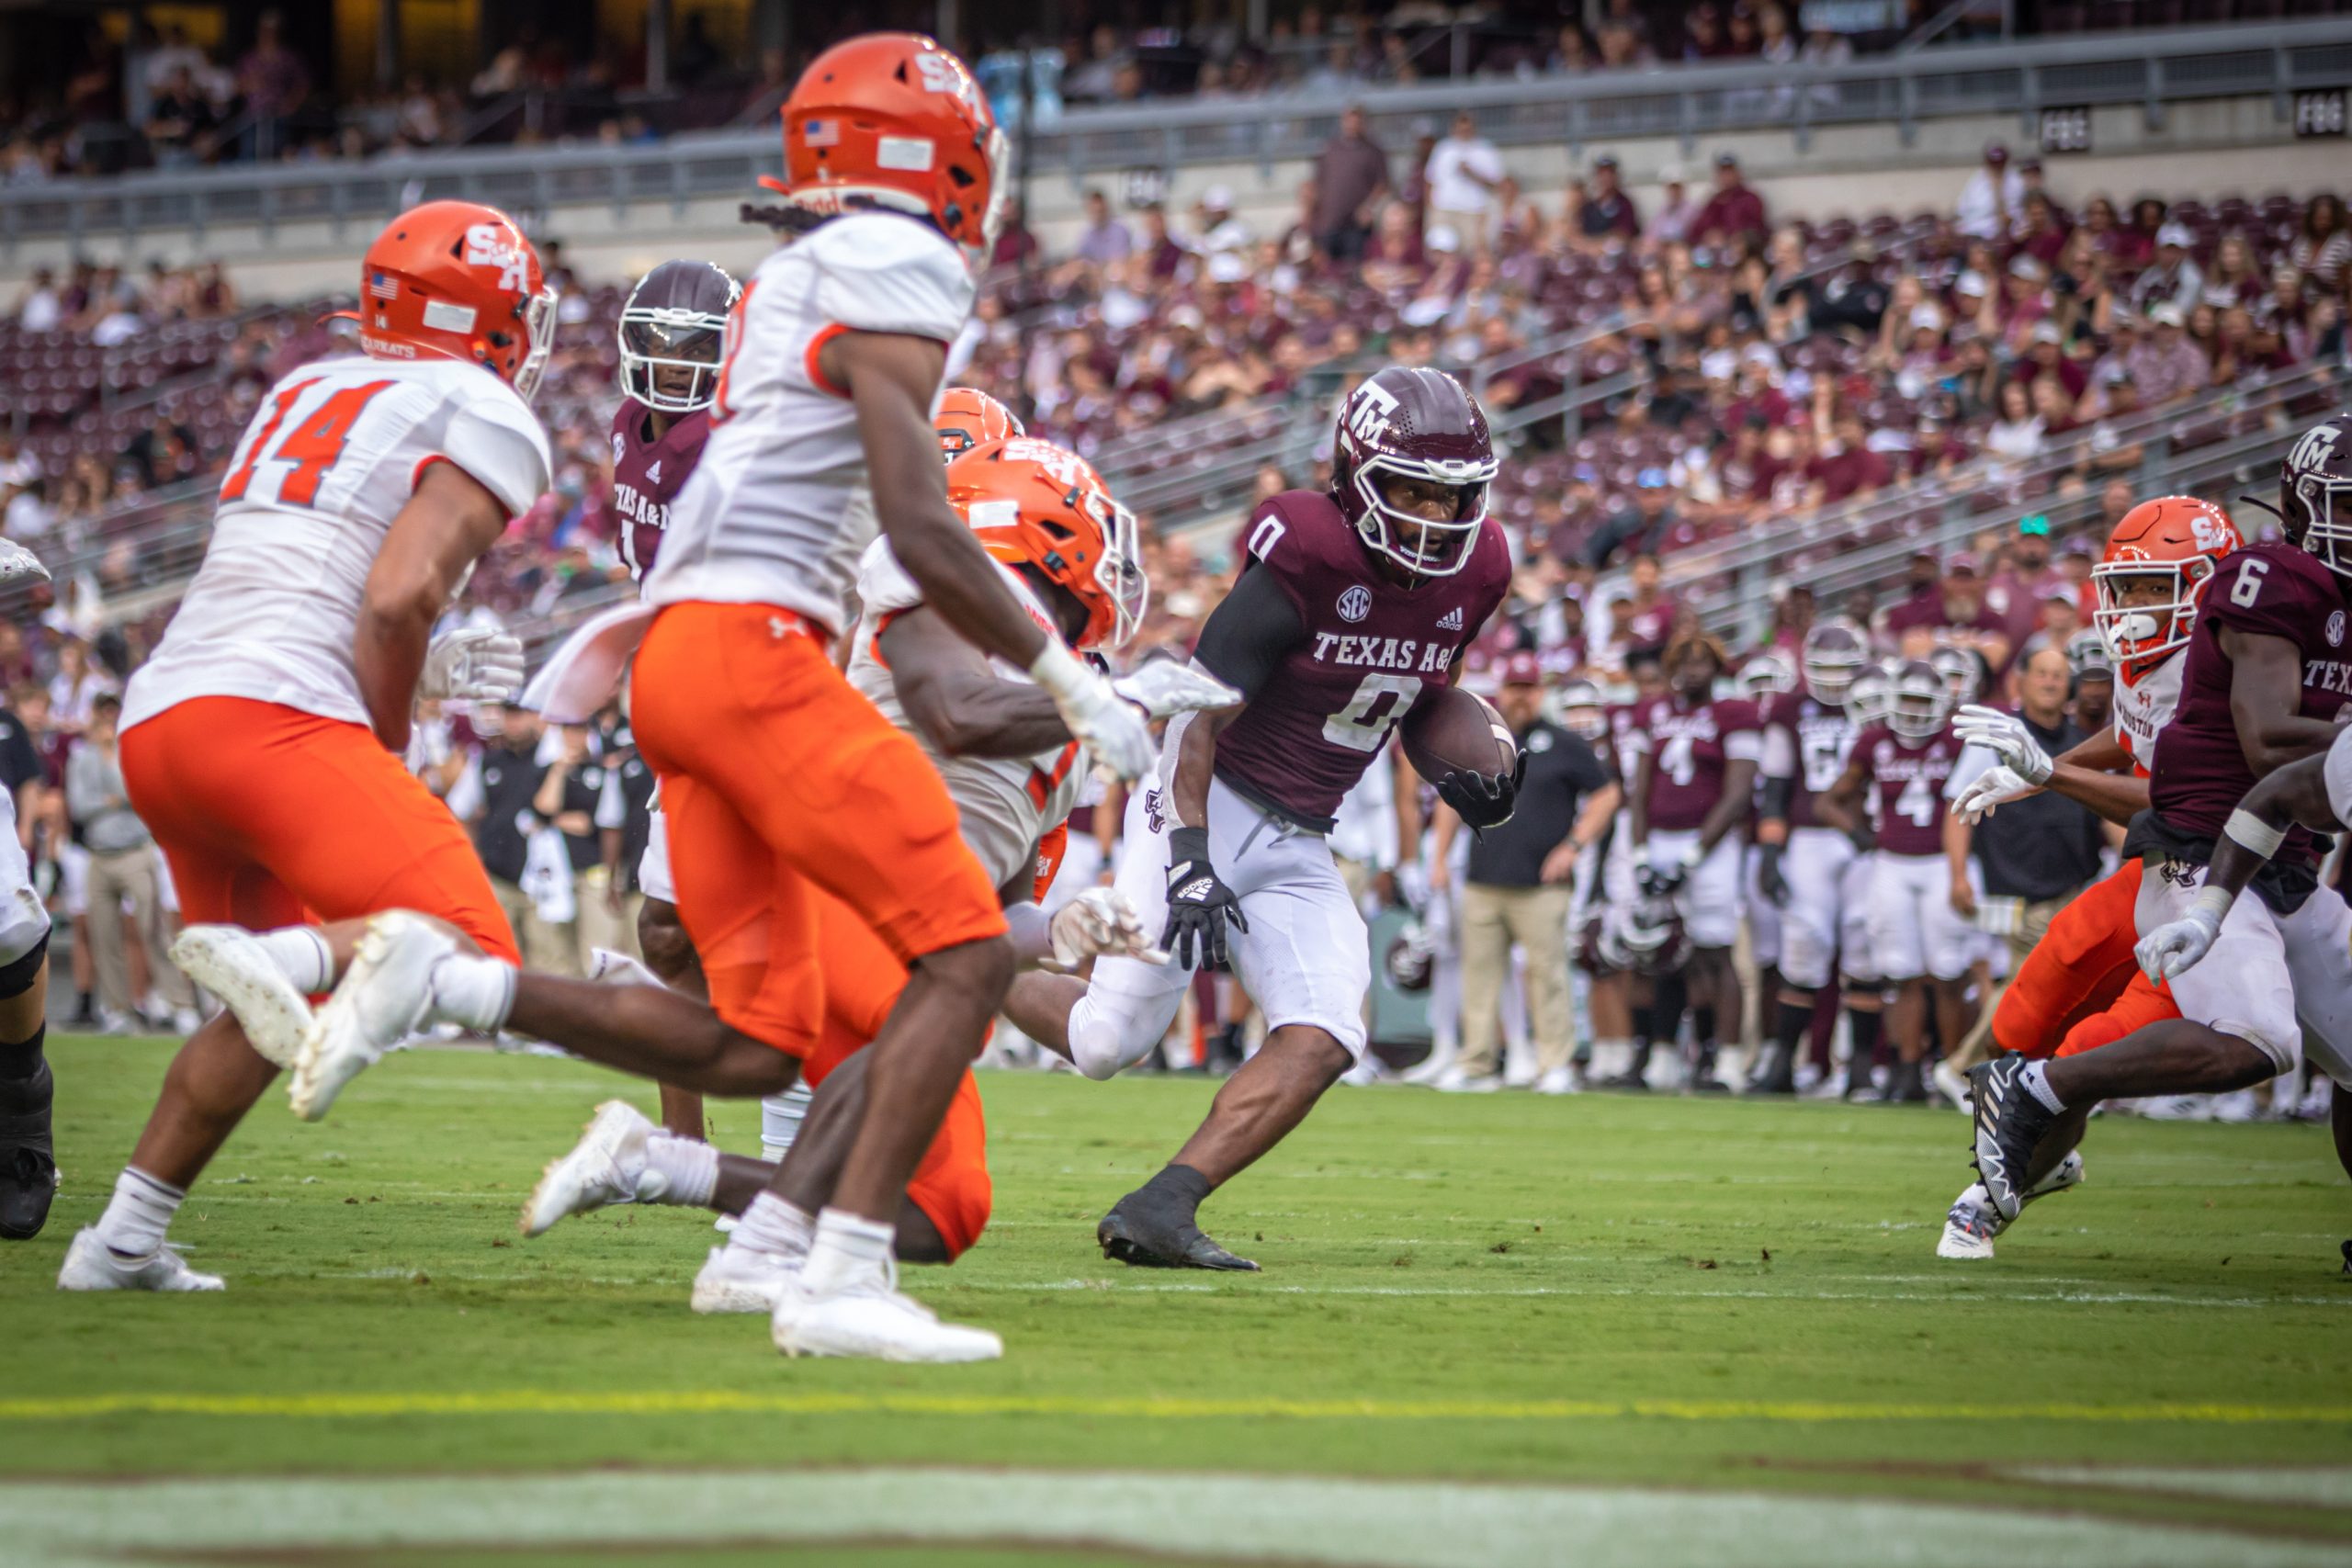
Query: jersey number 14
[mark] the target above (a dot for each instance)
(311, 447)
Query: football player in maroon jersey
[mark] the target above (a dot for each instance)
(2267, 675)
(1692, 788)
(1353, 604)
(1919, 942)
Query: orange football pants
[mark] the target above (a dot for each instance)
(816, 854)
(2080, 987)
(272, 817)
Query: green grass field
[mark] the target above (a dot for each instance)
(1491, 1330)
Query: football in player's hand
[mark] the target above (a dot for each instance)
(1452, 730)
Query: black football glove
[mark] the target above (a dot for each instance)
(1483, 800)
(1198, 903)
(1768, 880)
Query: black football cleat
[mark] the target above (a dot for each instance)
(2010, 1124)
(28, 1160)
(1147, 1231)
(1776, 1074)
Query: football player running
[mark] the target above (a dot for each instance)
(262, 743)
(1691, 790)
(1919, 942)
(2266, 677)
(2075, 990)
(1352, 605)
(784, 784)
(1815, 874)
(1014, 773)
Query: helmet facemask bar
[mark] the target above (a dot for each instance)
(1868, 696)
(661, 332)
(1916, 714)
(1469, 480)
(2135, 632)
(1119, 575)
(2325, 536)
(538, 332)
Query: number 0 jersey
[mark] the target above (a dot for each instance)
(1006, 804)
(331, 456)
(779, 511)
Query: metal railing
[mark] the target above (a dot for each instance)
(1686, 102)
(2220, 435)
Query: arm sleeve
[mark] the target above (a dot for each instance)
(500, 444)
(612, 801)
(1250, 633)
(464, 799)
(1779, 758)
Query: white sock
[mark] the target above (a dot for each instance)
(780, 1119)
(474, 991)
(301, 956)
(688, 1168)
(771, 1224)
(141, 1209)
(2036, 1078)
(847, 1248)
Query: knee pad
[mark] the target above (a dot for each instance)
(17, 974)
(1103, 1037)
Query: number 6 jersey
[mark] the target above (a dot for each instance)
(332, 454)
(1331, 651)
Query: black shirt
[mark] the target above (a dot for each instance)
(510, 779)
(21, 762)
(2045, 845)
(635, 776)
(1562, 769)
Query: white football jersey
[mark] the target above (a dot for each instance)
(1006, 804)
(332, 456)
(2144, 706)
(778, 512)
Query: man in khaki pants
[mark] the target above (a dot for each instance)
(1516, 889)
(122, 870)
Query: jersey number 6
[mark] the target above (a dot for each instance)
(2249, 583)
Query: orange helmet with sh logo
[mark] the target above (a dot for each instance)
(457, 280)
(968, 417)
(2177, 539)
(1033, 504)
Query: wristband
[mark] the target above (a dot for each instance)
(2212, 904)
(1188, 844)
(1059, 672)
(2253, 833)
(1031, 931)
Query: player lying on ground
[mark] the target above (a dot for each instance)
(262, 742)
(2263, 686)
(1353, 606)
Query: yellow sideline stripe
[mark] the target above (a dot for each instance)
(729, 1401)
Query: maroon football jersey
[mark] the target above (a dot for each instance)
(647, 476)
(1821, 736)
(1370, 651)
(1909, 777)
(1694, 741)
(2276, 590)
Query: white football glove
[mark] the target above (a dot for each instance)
(2177, 945)
(1110, 726)
(477, 664)
(2007, 737)
(1099, 922)
(1990, 790)
(1164, 688)
(17, 563)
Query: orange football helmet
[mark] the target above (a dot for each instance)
(457, 280)
(2177, 540)
(1033, 504)
(968, 417)
(893, 120)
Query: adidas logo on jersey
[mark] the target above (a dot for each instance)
(1450, 621)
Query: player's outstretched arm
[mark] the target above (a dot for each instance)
(2097, 773)
(447, 523)
(2296, 792)
(956, 702)
(891, 379)
(2265, 701)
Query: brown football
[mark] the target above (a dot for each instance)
(1452, 731)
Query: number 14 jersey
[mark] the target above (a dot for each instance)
(331, 457)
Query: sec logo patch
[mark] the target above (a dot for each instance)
(2335, 629)
(1356, 603)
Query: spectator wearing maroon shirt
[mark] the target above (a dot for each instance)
(1953, 615)
(1163, 257)
(1733, 216)
(1846, 468)
(2045, 356)
(1350, 178)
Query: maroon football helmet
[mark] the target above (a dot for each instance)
(1418, 424)
(668, 335)
(2316, 473)
(1835, 652)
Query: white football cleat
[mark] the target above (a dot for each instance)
(385, 995)
(1974, 1223)
(228, 961)
(872, 1320)
(90, 1265)
(739, 1279)
(1557, 1080)
(607, 1165)
(1456, 1081)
